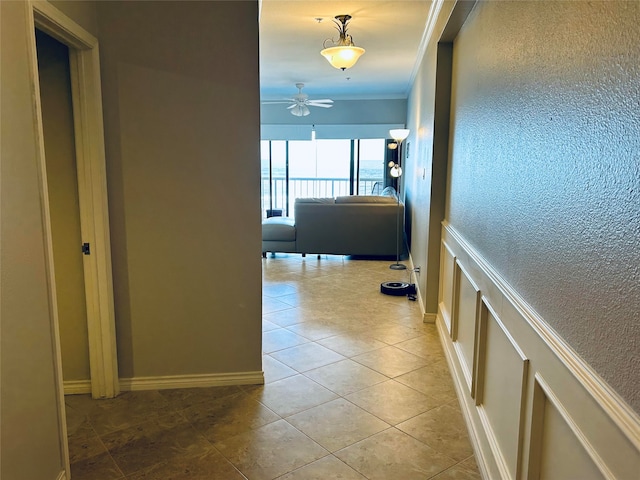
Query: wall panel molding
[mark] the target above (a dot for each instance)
(476, 433)
(531, 394)
(501, 385)
(447, 282)
(497, 456)
(464, 322)
(544, 394)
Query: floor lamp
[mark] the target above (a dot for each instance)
(396, 171)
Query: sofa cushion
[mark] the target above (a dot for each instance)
(279, 228)
(316, 200)
(365, 199)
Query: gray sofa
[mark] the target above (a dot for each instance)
(348, 225)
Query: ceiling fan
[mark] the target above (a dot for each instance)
(300, 102)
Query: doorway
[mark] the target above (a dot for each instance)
(88, 147)
(64, 210)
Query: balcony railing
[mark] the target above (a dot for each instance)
(309, 187)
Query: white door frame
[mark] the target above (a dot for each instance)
(92, 189)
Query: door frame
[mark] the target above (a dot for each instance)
(86, 92)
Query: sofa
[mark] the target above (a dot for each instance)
(363, 225)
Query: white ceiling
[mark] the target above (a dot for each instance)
(391, 31)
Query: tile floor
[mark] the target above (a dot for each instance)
(356, 387)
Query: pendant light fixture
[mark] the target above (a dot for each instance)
(343, 54)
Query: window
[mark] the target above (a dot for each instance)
(371, 165)
(318, 168)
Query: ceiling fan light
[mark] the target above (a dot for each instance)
(300, 111)
(342, 57)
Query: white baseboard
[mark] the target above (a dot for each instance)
(429, 317)
(77, 387)
(426, 317)
(190, 381)
(460, 386)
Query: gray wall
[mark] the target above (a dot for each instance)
(183, 166)
(185, 212)
(360, 112)
(82, 12)
(426, 165)
(545, 173)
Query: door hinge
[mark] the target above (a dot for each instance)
(86, 249)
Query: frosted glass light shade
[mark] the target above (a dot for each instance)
(342, 57)
(300, 111)
(399, 134)
(396, 171)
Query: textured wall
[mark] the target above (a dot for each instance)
(545, 173)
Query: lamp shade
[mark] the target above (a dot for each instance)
(342, 57)
(399, 134)
(396, 171)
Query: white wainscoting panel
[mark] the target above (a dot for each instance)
(464, 325)
(534, 409)
(500, 394)
(558, 447)
(445, 290)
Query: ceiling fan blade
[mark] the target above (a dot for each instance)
(300, 102)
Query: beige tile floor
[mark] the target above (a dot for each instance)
(356, 387)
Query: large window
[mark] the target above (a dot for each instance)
(318, 168)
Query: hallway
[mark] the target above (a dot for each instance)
(356, 387)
